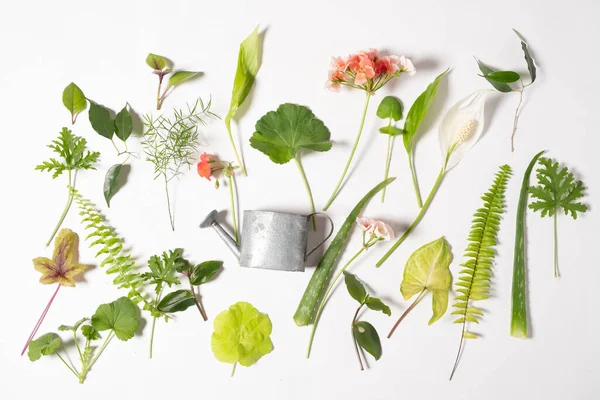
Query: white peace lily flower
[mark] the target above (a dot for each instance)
(462, 126)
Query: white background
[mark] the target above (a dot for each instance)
(102, 46)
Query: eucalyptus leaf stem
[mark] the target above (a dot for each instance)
(362, 368)
(555, 246)
(307, 187)
(40, 320)
(405, 313)
(67, 365)
(326, 296)
(70, 188)
(233, 210)
(240, 162)
(415, 182)
(360, 129)
(387, 161)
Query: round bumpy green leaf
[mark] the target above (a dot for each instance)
(390, 107)
(44, 345)
(120, 316)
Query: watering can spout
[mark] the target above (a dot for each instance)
(210, 221)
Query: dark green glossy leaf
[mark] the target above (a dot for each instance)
(501, 87)
(376, 304)
(111, 181)
(366, 336)
(418, 111)
(528, 58)
(101, 121)
(355, 287)
(43, 346)
(181, 76)
(203, 272)
(156, 62)
(123, 124)
(74, 100)
(90, 333)
(503, 76)
(391, 130)
(177, 301)
(390, 107)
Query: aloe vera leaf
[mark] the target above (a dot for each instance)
(316, 286)
(518, 321)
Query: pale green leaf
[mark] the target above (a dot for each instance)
(181, 76)
(156, 62)
(43, 346)
(74, 100)
(120, 316)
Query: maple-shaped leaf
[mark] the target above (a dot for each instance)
(557, 189)
(63, 266)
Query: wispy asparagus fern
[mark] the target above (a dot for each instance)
(474, 281)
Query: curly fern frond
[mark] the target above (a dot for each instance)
(118, 261)
(474, 280)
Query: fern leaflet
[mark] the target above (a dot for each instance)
(474, 280)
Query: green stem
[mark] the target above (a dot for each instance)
(516, 119)
(354, 337)
(405, 313)
(307, 187)
(388, 159)
(70, 187)
(402, 238)
(198, 303)
(555, 246)
(169, 204)
(77, 345)
(237, 156)
(152, 336)
(233, 210)
(67, 365)
(158, 97)
(324, 299)
(233, 369)
(91, 364)
(360, 129)
(414, 179)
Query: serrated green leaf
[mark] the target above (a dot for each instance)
(90, 333)
(503, 76)
(43, 346)
(156, 62)
(366, 336)
(111, 181)
(355, 287)
(203, 272)
(181, 76)
(120, 316)
(376, 304)
(177, 301)
(123, 124)
(74, 100)
(390, 107)
(501, 87)
(101, 121)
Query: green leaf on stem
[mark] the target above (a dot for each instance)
(120, 316)
(177, 301)
(156, 62)
(74, 100)
(366, 336)
(503, 76)
(101, 121)
(90, 333)
(74, 327)
(376, 304)
(181, 76)
(391, 130)
(203, 272)
(111, 181)
(530, 62)
(390, 107)
(123, 124)
(499, 86)
(43, 346)
(355, 287)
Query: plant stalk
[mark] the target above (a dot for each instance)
(233, 209)
(405, 313)
(516, 119)
(152, 336)
(198, 303)
(362, 368)
(240, 162)
(70, 187)
(555, 245)
(414, 179)
(388, 159)
(233, 369)
(67, 365)
(40, 320)
(171, 220)
(84, 371)
(158, 96)
(307, 187)
(360, 129)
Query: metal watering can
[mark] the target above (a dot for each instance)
(271, 240)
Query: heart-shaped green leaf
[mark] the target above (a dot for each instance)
(503, 76)
(101, 121)
(156, 62)
(179, 300)
(111, 181)
(355, 287)
(74, 100)
(181, 76)
(120, 316)
(366, 336)
(43, 346)
(123, 124)
(390, 107)
(203, 272)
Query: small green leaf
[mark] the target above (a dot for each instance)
(90, 333)
(120, 316)
(501, 87)
(123, 124)
(203, 272)
(111, 181)
(528, 59)
(390, 107)
(391, 130)
(181, 76)
(366, 336)
(355, 287)
(43, 346)
(156, 62)
(503, 76)
(101, 121)
(74, 100)
(376, 304)
(179, 300)
(74, 327)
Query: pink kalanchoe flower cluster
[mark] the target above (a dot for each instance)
(374, 228)
(366, 70)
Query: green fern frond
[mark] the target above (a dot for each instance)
(475, 277)
(116, 259)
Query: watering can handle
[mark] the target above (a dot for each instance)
(327, 237)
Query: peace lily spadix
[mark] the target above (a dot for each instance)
(459, 130)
